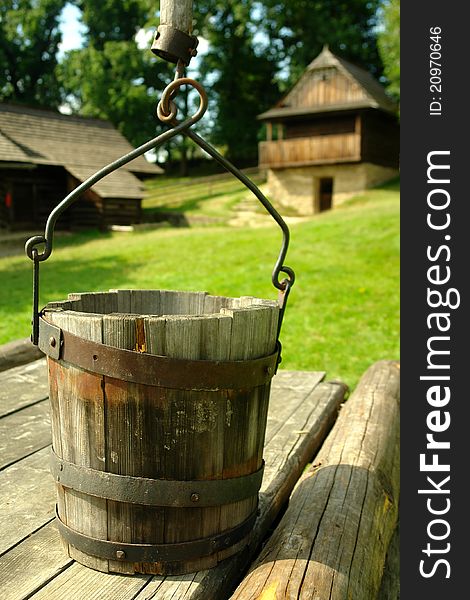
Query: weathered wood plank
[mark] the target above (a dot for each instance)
(332, 541)
(93, 302)
(23, 432)
(293, 396)
(203, 422)
(31, 564)
(179, 586)
(27, 498)
(251, 337)
(22, 386)
(77, 414)
(122, 424)
(80, 583)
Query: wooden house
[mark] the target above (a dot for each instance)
(44, 155)
(334, 134)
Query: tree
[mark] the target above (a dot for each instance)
(298, 29)
(389, 45)
(114, 20)
(115, 83)
(240, 77)
(29, 41)
(110, 77)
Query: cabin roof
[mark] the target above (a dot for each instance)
(371, 94)
(80, 145)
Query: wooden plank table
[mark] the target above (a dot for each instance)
(33, 564)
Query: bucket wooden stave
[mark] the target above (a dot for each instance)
(143, 431)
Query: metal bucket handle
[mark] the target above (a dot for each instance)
(167, 113)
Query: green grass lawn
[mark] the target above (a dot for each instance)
(343, 312)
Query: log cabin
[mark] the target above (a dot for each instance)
(45, 154)
(334, 134)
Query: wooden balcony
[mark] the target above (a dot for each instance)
(344, 147)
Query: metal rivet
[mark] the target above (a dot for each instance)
(194, 497)
(120, 554)
(95, 357)
(52, 341)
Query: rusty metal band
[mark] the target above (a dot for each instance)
(172, 45)
(155, 552)
(150, 369)
(154, 492)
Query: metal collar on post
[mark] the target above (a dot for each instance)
(173, 45)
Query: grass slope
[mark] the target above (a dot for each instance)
(343, 312)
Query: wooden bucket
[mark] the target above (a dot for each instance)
(159, 402)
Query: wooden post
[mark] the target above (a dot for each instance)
(269, 131)
(333, 539)
(358, 137)
(177, 14)
(173, 40)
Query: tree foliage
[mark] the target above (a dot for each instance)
(110, 77)
(29, 41)
(114, 20)
(239, 75)
(298, 29)
(389, 45)
(113, 83)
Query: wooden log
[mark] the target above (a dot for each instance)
(18, 353)
(332, 542)
(390, 585)
(177, 14)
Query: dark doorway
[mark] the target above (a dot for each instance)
(325, 193)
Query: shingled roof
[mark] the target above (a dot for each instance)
(370, 93)
(80, 145)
